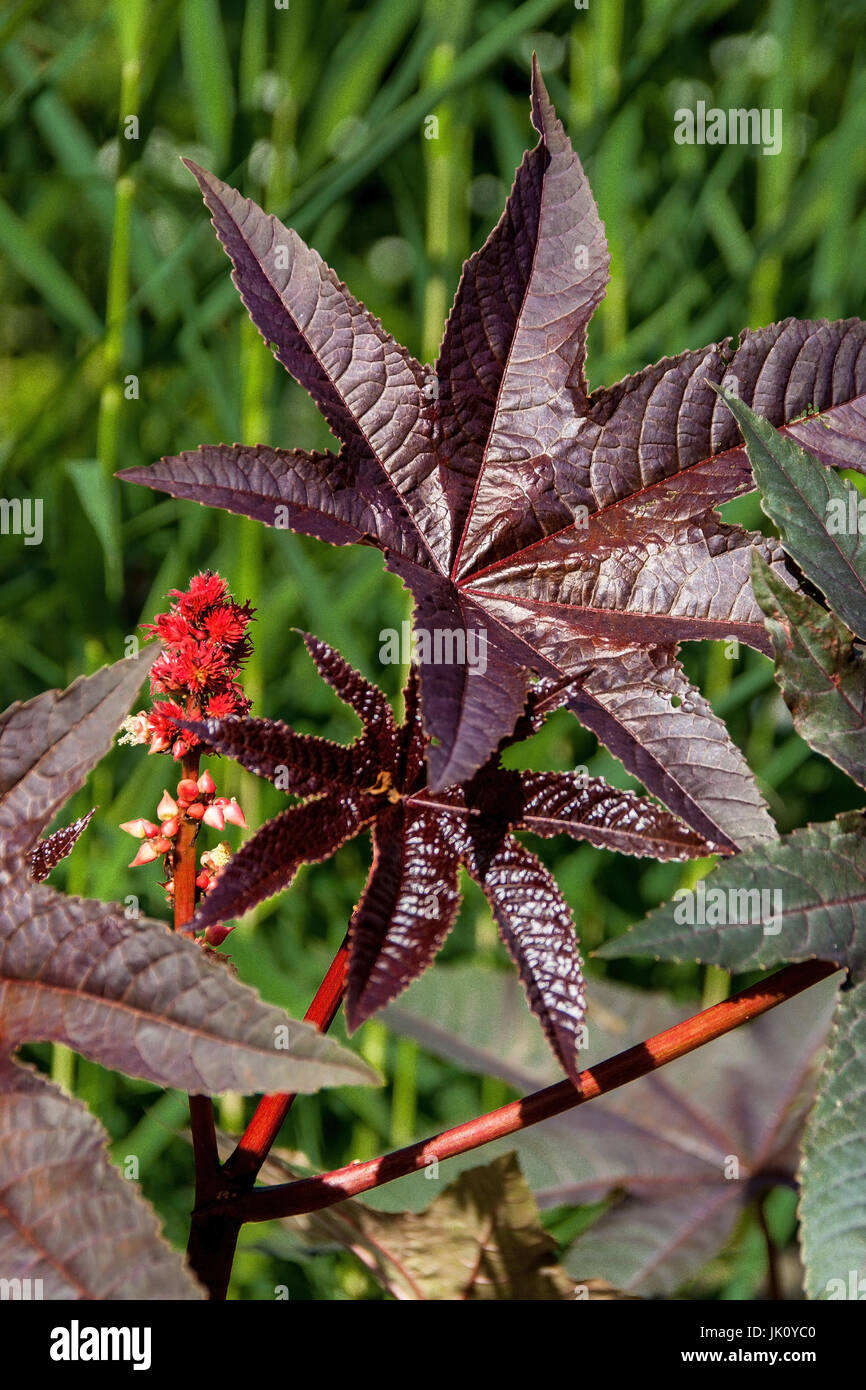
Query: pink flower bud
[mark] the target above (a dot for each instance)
(158, 744)
(146, 854)
(195, 811)
(179, 750)
(214, 817)
(161, 845)
(167, 807)
(206, 784)
(187, 790)
(216, 933)
(234, 815)
(203, 881)
(169, 828)
(141, 829)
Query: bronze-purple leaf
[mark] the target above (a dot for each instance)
(119, 988)
(574, 531)
(421, 838)
(71, 1227)
(48, 852)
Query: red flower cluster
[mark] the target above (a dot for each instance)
(205, 640)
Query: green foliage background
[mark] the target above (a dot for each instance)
(109, 269)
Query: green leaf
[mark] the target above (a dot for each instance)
(208, 73)
(815, 511)
(41, 269)
(819, 669)
(99, 504)
(799, 898)
(815, 882)
(833, 1165)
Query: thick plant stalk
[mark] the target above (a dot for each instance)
(314, 1194)
(208, 1177)
(213, 1236)
(255, 1144)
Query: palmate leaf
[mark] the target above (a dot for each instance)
(574, 530)
(833, 1162)
(799, 898)
(662, 1150)
(69, 1223)
(421, 839)
(127, 993)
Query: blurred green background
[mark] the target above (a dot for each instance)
(122, 338)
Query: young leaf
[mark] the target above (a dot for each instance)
(816, 512)
(819, 669)
(69, 1222)
(575, 532)
(420, 840)
(49, 852)
(127, 993)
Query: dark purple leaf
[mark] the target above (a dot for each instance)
(536, 925)
(337, 498)
(269, 861)
(588, 808)
(420, 840)
(408, 908)
(49, 852)
(369, 389)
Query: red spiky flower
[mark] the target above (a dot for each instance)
(205, 642)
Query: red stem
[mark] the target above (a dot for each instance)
(201, 1251)
(313, 1194)
(255, 1143)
